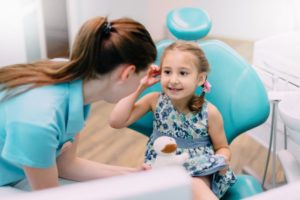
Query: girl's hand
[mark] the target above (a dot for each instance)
(224, 170)
(152, 76)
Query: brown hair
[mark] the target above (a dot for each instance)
(99, 47)
(196, 102)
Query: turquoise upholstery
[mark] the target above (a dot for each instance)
(189, 23)
(236, 91)
(244, 187)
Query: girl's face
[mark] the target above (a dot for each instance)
(180, 76)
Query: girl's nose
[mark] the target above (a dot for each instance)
(174, 79)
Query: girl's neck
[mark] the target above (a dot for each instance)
(181, 105)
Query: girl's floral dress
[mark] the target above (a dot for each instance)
(190, 132)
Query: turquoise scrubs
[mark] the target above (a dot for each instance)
(35, 125)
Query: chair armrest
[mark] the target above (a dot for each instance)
(245, 186)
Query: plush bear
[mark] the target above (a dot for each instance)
(165, 147)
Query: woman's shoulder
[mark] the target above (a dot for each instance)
(50, 94)
(39, 101)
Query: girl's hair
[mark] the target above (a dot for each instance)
(99, 47)
(200, 61)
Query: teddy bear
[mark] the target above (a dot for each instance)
(165, 148)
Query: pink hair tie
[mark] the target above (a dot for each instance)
(206, 87)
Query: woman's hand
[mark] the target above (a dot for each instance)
(144, 167)
(152, 76)
(67, 145)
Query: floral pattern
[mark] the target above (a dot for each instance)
(202, 161)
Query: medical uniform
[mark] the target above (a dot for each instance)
(34, 126)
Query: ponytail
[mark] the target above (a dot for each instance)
(98, 49)
(196, 102)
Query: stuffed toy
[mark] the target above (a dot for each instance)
(165, 147)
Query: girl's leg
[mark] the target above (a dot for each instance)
(201, 189)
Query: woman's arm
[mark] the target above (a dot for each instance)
(217, 133)
(71, 167)
(40, 178)
(74, 168)
(126, 110)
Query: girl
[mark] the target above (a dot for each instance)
(195, 123)
(44, 104)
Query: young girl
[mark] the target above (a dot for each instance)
(43, 105)
(195, 123)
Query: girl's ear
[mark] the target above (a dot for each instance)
(127, 72)
(201, 78)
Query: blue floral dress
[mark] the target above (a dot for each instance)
(190, 133)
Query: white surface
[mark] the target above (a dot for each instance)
(290, 166)
(22, 36)
(9, 192)
(282, 79)
(12, 42)
(283, 95)
(166, 183)
(288, 192)
(279, 55)
(289, 110)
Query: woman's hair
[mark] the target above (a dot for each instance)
(200, 61)
(99, 47)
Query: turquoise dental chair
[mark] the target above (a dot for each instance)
(236, 90)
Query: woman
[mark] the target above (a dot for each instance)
(44, 104)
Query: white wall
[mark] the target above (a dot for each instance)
(247, 19)
(250, 19)
(12, 46)
(81, 10)
(21, 33)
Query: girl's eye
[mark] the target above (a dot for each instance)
(167, 72)
(183, 73)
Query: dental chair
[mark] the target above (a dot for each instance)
(236, 91)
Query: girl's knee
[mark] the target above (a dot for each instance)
(201, 189)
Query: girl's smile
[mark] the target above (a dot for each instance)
(173, 89)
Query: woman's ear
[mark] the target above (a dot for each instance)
(127, 72)
(201, 78)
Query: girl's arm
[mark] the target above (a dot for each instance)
(126, 111)
(74, 168)
(217, 133)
